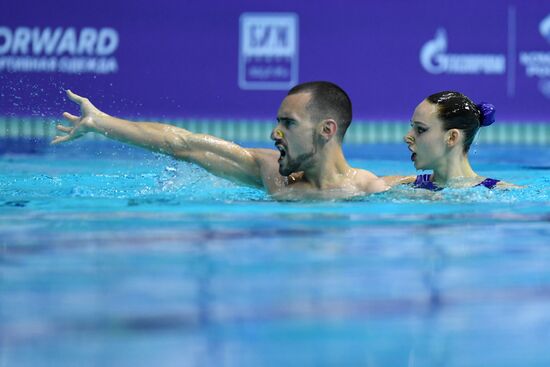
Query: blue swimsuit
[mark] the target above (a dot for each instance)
(423, 182)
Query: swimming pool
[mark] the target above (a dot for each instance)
(114, 257)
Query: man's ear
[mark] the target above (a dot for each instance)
(329, 128)
(452, 137)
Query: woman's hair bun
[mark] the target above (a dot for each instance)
(487, 114)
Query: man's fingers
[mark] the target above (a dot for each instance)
(74, 97)
(70, 117)
(65, 129)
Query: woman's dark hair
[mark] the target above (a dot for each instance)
(457, 111)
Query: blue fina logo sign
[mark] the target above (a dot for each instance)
(268, 51)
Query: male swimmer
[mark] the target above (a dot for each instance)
(308, 164)
(443, 128)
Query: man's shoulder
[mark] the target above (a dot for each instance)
(363, 174)
(369, 182)
(264, 154)
(267, 159)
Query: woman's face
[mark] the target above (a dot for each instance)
(426, 138)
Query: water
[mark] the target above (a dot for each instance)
(130, 259)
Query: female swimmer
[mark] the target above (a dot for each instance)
(443, 128)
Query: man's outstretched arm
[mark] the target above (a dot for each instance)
(217, 156)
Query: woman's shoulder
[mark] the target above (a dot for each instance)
(492, 183)
(508, 185)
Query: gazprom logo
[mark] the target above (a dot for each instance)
(268, 50)
(435, 59)
(544, 28)
(431, 53)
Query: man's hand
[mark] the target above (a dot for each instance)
(80, 125)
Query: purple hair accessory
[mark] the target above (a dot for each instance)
(487, 114)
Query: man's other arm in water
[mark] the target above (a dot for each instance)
(218, 156)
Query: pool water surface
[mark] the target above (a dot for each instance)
(123, 258)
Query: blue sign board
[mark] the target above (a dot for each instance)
(220, 59)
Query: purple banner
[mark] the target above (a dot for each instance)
(236, 59)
